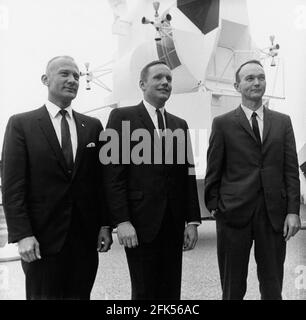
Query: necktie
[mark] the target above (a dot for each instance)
(66, 140)
(255, 127)
(160, 120)
(161, 128)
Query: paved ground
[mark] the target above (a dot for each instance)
(200, 272)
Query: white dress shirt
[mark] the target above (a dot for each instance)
(153, 115)
(56, 118)
(259, 117)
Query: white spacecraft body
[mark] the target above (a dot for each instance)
(203, 65)
(200, 62)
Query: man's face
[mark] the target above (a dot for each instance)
(252, 83)
(63, 80)
(158, 85)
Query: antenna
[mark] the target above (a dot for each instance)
(156, 5)
(271, 51)
(88, 75)
(93, 76)
(161, 24)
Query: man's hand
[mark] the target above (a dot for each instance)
(190, 237)
(127, 234)
(105, 239)
(291, 226)
(28, 249)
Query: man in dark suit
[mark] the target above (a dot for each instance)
(51, 190)
(152, 200)
(252, 187)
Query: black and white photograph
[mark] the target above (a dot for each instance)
(153, 151)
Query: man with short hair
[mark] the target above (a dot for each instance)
(153, 204)
(252, 188)
(51, 190)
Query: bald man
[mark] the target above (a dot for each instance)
(51, 194)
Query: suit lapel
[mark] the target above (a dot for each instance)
(48, 130)
(171, 125)
(267, 124)
(244, 123)
(81, 130)
(145, 118)
(147, 121)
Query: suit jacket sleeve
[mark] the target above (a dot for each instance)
(115, 173)
(291, 171)
(193, 208)
(14, 181)
(215, 155)
(103, 211)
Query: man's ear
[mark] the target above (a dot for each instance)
(236, 86)
(141, 85)
(44, 80)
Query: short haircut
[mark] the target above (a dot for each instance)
(237, 77)
(55, 58)
(144, 72)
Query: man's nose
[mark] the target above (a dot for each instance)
(256, 81)
(165, 81)
(71, 78)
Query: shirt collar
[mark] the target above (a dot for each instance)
(248, 112)
(53, 109)
(152, 110)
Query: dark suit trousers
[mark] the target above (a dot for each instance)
(234, 245)
(67, 275)
(156, 267)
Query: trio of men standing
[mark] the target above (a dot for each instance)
(60, 202)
